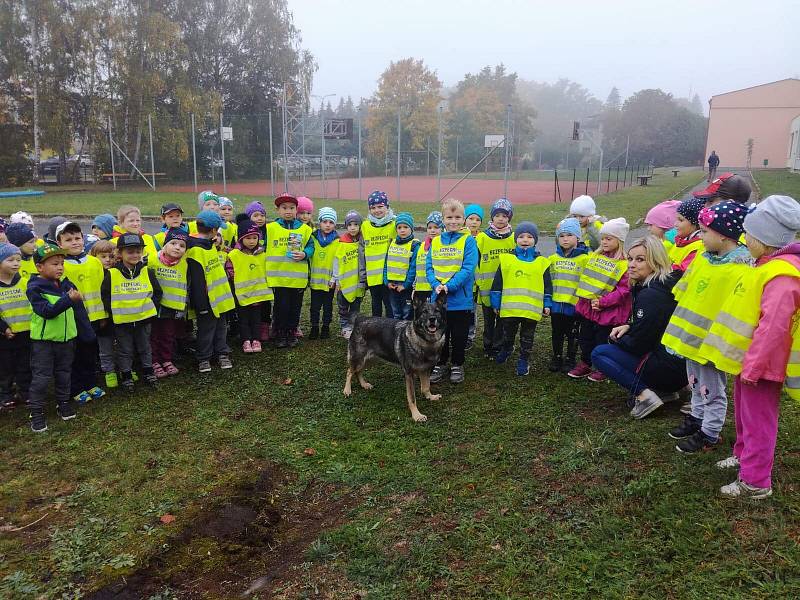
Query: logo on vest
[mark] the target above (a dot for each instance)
(702, 286)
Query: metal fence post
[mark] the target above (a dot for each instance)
(111, 150)
(359, 154)
(271, 158)
(573, 183)
(152, 162)
(194, 156)
(586, 191)
(222, 148)
(397, 190)
(439, 158)
(608, 181)
(506, 144)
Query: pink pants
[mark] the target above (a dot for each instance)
(756, 409)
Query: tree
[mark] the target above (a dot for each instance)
(613, 102)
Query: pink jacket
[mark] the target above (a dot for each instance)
(772, 340)
(615, 306)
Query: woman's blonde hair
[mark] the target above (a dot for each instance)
(656, 257)
(451, 204)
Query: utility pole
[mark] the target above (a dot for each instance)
(439, 158)
(397, 191)
(507, 143)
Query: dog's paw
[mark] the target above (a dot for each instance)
(434, 397)
(347, 392)
(366, 385)
(419, 417)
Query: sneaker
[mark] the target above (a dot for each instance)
(255, 346)
(695, 443)
(170, 369)
(646, 402)
(686, 408)
(204, 366)
(158, 371)
(439, 372)
(38, 422)
(127, 385)
(728, 463)
(96, 392)
(314, 334)
(66, 411)
(225, 362)
(247, 347)
(523, 368)
(580, 371)
(556, 364)
(502, 356)
(282, 340)
(690, 426)
(151, 379)
(597, 377)
(740, 489)
(111, 380)
(457, 374)
(325, 332)
(668, 396)
(82, 398)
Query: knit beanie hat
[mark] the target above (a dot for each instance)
(209, 219)
(7, 250)
(204, 197)
(326, 213)
(404, 218)
(223, 201)
(617, 228)
(726, 218)
(247, 227)
(690, 210)
(378, 197)
(502, 205)
(570, 225)
(436, 218)
(663, 214)
(176, 233)
(105, 223)
(353, 217)
(19, 234)
(774, 221)
(473, 209)
(583, 206)
(304, 204)
(21, 217)
(527, 227)
(255, 207)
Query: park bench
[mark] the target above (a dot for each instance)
(643, 179)
(674, 172)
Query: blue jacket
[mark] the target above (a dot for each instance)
(525, 255)
(459, 288)
(411, 274)
(564, 308)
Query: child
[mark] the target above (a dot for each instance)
(377, 233)
(210, 293)
(86, 273)
(105, 252)
(305, 211)
(131, 294)
(230, 233)
(22, 236)
(326, 244)
(433, 227)
(103, 226)
(755, 338)
(130, 221)
(57, 318)
(401, 266)
(15, 325)
(520, 289)
(583, 208)
(604, 296)
(289, 251)
(565, 269)
(492, 243)
(172, 273)
(700, 294)
(687, 234)
(256, 212)
(349, 272)
(660, 221)
(171, 218)
(450, 267)
(208, 200)
(474, 219)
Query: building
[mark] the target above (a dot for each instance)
(767, 114)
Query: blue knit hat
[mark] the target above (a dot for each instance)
(570, 225)
(404, 218)
(473, 209)
(377, 197)
(436, 218)
(326, 213)
(527, 227)
(7, 250)
(502, 205)
(105, 223)
(209, 219)
(19, 234)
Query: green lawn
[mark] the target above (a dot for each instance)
(778, 181)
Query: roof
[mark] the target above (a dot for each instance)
(756, 86)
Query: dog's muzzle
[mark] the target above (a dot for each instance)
(433, 325)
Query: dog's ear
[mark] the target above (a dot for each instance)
(419, 302)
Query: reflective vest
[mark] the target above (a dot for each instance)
(523, 287)
(88, 278)
(347, 258)
(585, 234)
(565, 273)
(15, 309)
(218, 289)
(447, 260)
(230, 234)
(704, 289)
(282, 270)
(131, 299)
(61, 328)
(174, 283)
(398, 259)
(322, 264)
(490, 250)
(668, 246)
(27, 268)
(376, 243)
(250, 277)
(421, 282)
(600, 275)
(677, 254)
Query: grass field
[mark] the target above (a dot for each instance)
(778, 181)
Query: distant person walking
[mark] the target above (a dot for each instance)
(713, 163)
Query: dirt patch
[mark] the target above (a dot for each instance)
(247, 541)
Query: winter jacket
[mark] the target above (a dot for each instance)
(37, 286)
(713, 160)
(615, 306)
(411, 274)
(459, 287)
(105, 288)
(525, 255)
(680, 242)
(564, 308)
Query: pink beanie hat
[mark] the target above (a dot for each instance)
(663, 214)
(304, 204)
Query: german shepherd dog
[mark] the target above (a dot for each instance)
(414, 345)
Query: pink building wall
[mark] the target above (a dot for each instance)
(764, 113)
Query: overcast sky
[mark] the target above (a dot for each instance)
(681, 46)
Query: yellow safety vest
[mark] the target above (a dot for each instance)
(421, 282)
(322, 264)
(88, 278)
(600, 275)
(447, 260)
(490, 250)
(347, 257)
(668, 246)
(376, 243)
(15, 309)
(523, 287)
(27, 268)
(398, 259)
(678, 254)
(565, 273)
(230, 234)
(250, 277)
(703, 290)
(131, 299)
(174, 282)
(219, 292)
(282, 270)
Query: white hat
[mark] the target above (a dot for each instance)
(583, 206)
(617, 228)
(21, 217)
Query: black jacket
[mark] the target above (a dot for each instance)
(105, 289)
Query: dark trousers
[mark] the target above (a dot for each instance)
(133, 341)
(84, 367)
(212, 334)
(492, 330)
(526, 327)
(379, 294)
(163, 335)
(590, 336)
(564, 327)
(455, 340)
(347, 310)
(620, 366)
(50, 361)
(321, 300)
(286, 308)
(400, 303)
(266, 311)
(250, 322)
(15, 366)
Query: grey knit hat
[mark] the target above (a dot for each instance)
(527, 227)
(774, 221)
